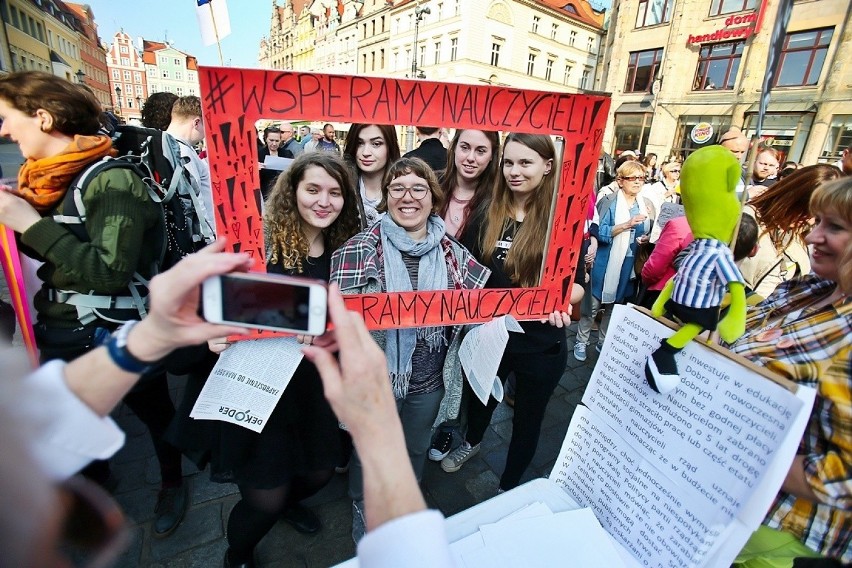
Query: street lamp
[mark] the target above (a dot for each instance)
(419, 14)
(139, 103)
(117, 99)
(81, 76)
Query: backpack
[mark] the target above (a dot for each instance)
(156, 158)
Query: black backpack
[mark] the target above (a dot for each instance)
(156, 158)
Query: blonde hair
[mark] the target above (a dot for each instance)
(836, 197)
(523, 261)
(630, 169)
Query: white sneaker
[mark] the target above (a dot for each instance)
(580, 351)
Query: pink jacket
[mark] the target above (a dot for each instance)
(660, 268)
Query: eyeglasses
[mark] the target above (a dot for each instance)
(633, 178)
(398, 191)
(674, 171)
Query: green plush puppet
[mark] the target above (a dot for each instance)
(708, 181)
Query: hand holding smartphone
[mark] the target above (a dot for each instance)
(266, 301)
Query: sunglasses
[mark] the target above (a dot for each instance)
(633, 178)
(94, 531)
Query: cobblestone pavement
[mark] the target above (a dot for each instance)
(200, 540)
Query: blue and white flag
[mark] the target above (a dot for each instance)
(213, 19)
(776, 45)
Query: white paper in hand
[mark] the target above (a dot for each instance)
(480, 354)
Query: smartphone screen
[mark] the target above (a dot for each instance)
(268, 304)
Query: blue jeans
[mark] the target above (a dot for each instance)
(417, 412)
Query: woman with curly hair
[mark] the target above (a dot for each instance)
(311, 211)
(784, 220)
(468, 181)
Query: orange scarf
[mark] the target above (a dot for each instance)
(43, 183)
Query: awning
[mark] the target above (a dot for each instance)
(705, 110)
(643, 106)
(798, 107)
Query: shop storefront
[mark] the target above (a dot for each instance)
(786, 127)
(695, 131)
(631, 127)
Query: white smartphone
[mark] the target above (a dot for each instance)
(266, 301)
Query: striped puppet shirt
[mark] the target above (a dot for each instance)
(704, 274)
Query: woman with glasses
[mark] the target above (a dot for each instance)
(510, 238)
(625, 221)
(408, 249)
(370, 149)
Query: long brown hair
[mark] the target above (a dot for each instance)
(783, 209)
(350, 146)
(523, 262)
(484, 183)
(285, 237)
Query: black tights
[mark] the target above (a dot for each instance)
(259, 509)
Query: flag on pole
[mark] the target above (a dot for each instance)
(776, 44)
(213, 19)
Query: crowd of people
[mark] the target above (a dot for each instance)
(469, 212)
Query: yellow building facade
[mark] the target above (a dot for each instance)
(682, 71)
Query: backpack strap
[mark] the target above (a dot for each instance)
(73, 216)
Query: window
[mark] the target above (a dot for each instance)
(572, 37)
(535, 23)
(152, 71)
(653, 12)
(553, 29)
(567, 74)
(364, 62)
(373, 27)
(684, 145)
(164, 60)
(719, 7)
(454, 48)
(407, 58)
(116, 75)
(495, 54)
(179, 91)
(178, 62)
(127, 75)
(372, 61)
(395, 61)
(631, 131)
(802, 58)
(178, 75)
(139, 90)
(584, 78)
(382, 58)
(421, 56)
(40, 32)
(153, 88)
(15, 21)
(456, 7)
(548, 69)
(717, 66)
(125, 61)
(641, 70)
(165, 74)
(839, 138)
(437, 52)
(590, 45)
(137, 77)
(440, 15)
(531, 64)
(383, 23)
(191, 76)
(123, 49)
(129, 102)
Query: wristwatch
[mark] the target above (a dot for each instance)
(117, 348)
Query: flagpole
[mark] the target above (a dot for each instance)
(216, 33)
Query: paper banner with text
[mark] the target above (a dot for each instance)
(681, 479)
(235, 99)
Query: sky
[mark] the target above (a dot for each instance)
(175, 20)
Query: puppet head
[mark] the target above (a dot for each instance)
(708, 181)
